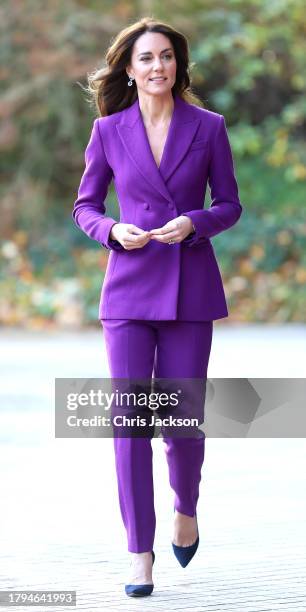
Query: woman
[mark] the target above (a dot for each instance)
(162, 288)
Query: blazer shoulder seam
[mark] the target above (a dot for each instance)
(206, 111)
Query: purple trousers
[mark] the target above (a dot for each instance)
(169, 349)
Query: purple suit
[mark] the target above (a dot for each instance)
(158, 303)
(160, 282)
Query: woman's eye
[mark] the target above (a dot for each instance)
(144, 59)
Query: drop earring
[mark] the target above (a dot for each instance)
(130, 83)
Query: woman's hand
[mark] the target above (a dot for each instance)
(129, 236)
(175, 230)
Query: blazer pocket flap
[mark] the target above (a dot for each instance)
(198, 144)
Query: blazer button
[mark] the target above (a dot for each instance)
(146, 205)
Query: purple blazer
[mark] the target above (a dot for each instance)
(160, 281)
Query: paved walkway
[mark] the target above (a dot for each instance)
(60, 526)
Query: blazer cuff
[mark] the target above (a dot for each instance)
(108, 242)
(193, 237)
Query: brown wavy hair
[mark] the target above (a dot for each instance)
(107, 86)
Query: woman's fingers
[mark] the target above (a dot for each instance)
(168, 232)
(163, 230)
(167, 235)
(135, 237)
(133, 229)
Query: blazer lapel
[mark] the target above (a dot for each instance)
(182, 131)
(134, 137)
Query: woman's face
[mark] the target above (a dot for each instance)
(152, 57)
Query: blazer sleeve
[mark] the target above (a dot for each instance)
(225, 208)
(89, 208)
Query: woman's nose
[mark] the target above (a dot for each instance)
(157, 63)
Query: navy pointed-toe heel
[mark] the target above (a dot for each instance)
(184, 554)
(140, 590)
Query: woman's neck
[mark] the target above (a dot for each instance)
(156, 110)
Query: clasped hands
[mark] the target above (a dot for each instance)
(132, 237)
